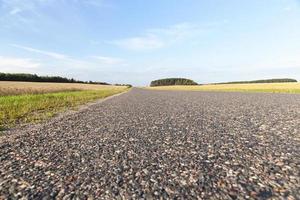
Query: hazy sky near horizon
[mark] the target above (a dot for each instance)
(137, 41)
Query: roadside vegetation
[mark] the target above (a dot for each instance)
(250, 87)
(172, 81)
(33, 102)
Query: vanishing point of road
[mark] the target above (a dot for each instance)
(147, 144)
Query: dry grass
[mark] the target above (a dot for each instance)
(8, 88)
(254, 87)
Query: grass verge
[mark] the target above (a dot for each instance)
(293, 88)
(34, 108)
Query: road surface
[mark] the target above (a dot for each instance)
(160, 144)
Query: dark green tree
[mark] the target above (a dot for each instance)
(172, 81)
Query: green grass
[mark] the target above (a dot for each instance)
(34, 108)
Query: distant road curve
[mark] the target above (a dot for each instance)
(160, 144)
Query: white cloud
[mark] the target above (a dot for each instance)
(13, 64)
(177, 32)
(18, 62)
(97, 3)
(47, 53)
(141, 43)
(15, 11)
(287, 8)
(108, 60)
(160, 37)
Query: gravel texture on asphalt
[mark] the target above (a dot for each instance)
(148, 144)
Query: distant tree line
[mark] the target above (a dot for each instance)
(127, 85)
(276, 80)
(36, 78)
(172, 81)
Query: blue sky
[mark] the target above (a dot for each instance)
(138, 41)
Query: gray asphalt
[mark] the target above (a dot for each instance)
(160, 145)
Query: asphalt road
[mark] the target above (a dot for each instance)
(159, 144)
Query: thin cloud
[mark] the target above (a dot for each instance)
(108, 60)
(16, 6)
(97, 3)
(90, 61)
(147, 42)
(287, 8)
(15, 11)
(47, 53)
(19, 13)
(160, 37)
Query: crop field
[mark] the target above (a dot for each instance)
(30, 102)
(18, 88)
(253, 87)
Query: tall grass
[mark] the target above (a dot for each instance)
(32, 108)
